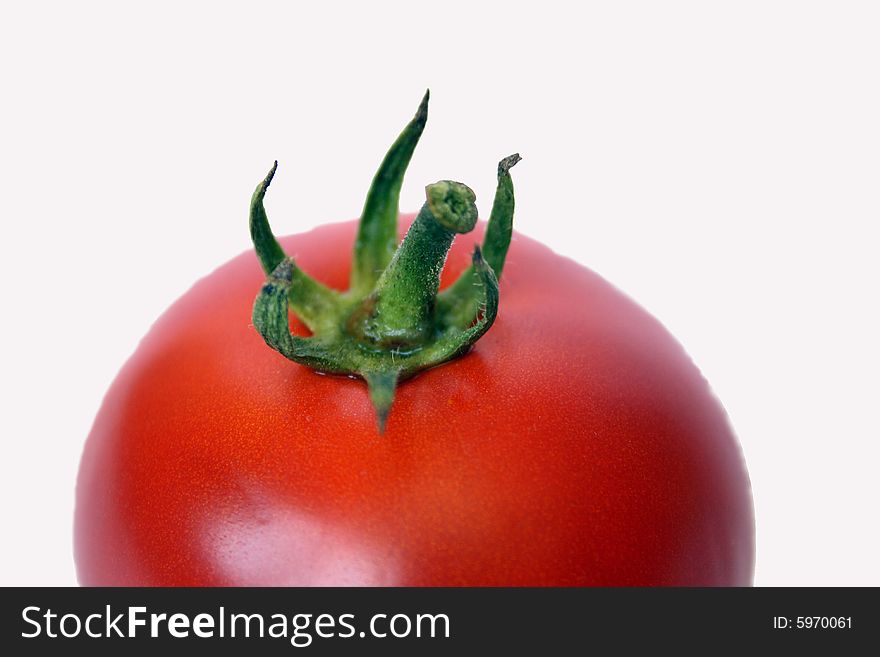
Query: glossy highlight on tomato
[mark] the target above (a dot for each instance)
(576, 444)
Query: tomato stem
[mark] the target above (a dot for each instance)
(391, 323)
(398, 314)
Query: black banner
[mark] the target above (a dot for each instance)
(435, 621)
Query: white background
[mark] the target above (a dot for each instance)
(719, 162)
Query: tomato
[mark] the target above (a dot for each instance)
(576, 444)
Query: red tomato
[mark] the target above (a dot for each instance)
(577, 444)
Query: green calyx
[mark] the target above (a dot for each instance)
(392, 322)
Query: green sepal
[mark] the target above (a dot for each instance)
(382, 385)
(377, 233)
(456, 304)
(271, 319)
(268, 249)
(310, 300)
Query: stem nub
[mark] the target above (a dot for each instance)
(391, 323)
(398, 313)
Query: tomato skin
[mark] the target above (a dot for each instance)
(577, 444)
